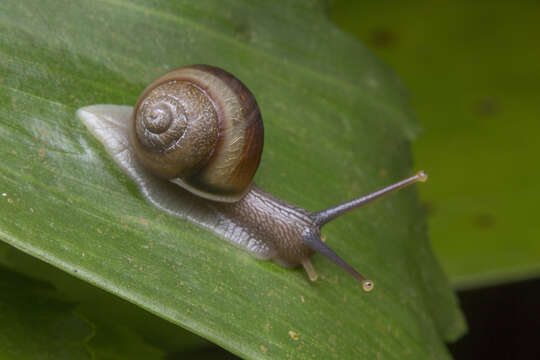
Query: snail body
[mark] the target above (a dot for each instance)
(192, 143)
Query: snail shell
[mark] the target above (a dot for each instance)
(201, 128)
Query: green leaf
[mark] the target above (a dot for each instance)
(337, 125)
(39, 322)
(113, 341)
(473, 71)
(34, 324)
(121, 329)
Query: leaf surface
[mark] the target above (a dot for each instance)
(35, 324)
(337, 125)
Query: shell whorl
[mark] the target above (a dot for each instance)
(160, 121)
(201, 128)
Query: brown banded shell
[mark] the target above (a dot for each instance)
(201, 128)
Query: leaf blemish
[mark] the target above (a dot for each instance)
(293, 335)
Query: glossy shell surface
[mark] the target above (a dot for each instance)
(199, 127)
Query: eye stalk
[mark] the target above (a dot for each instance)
(313, 240)
(325, 216)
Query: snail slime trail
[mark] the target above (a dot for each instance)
(166, 143)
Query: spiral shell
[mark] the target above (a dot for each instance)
(201, 128)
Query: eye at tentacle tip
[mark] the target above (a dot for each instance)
(422, 176)
(367, 285)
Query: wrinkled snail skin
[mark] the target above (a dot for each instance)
(192, 144)
(278, 223)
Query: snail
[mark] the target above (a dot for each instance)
(192, 144)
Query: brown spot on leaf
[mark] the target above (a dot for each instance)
(293, 335)
(428, 208)
(487, 106)
(484, 221)
(382, 38)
